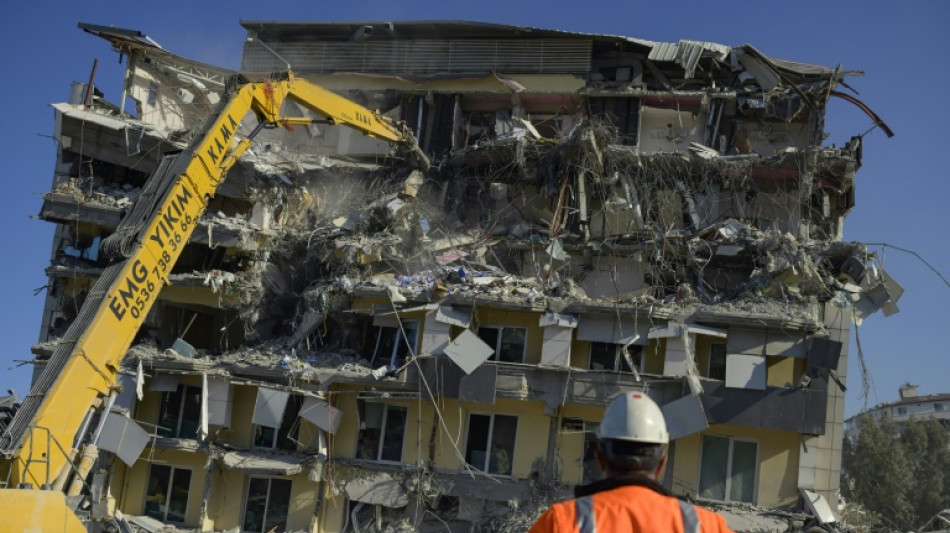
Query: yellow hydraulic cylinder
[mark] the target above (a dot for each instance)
(89, 455)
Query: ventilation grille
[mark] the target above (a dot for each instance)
(528, 56)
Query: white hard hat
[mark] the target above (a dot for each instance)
(633, 416)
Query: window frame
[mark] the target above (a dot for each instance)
(497, 347)
(399, 341)
(270, 483)
(488, 439)
(620, 363)
(939, 407)
(176, 431)
(729, 460)
(293, 432)
(168, 489)
(382, 434)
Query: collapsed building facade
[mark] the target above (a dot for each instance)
(349, 345)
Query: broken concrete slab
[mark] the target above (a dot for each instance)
(468, 351)
(745, 371)
(263, 464)
(163, 383)
(817, 505)
(377, 488)
(321, 414)
(479, 386)
(685, 416)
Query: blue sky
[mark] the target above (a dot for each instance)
(903, 191)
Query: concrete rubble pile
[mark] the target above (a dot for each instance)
(663, 218)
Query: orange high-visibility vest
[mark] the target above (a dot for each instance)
(634, 508)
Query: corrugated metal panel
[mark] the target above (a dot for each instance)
(687, 53)
(424, 57)
(663, 52)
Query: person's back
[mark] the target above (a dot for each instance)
(632, 442)
(629, 505)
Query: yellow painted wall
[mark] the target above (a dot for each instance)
(241, 432)
(132, 500)
(570, 446)
(146, 409)
(332, 512)
(450, 436)
(516, 319)
(303, 497)
(120, 476)
(780, 371)
(190, 295)
(580, 354)
(701, 354)
(227, 499)
(416, 443)
(531, 441)
(345, 440)
(778, 462)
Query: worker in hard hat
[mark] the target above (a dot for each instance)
(631, 451)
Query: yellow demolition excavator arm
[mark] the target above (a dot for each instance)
(37, 452)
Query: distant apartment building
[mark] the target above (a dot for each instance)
(910, 406)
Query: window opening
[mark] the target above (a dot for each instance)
(728, 469)
(391, 346)
(167, 496)
(284, 437)
(490, 445)
(508, 343)
(180, 413)
(609, 356)
(382, 432)
(266, 506)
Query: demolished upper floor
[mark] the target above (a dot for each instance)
(629, 174)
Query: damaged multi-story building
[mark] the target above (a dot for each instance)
(349, 345)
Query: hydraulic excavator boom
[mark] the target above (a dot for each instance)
(41, 443)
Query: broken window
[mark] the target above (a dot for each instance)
(901, 410)
(393, 345)
(382, 430)
(167, 496)
(938, 407)
(623, 113)
(490, 445)
(609, 356)
(717, 361)
(180, 412)
(728, 469)
(284, 437)
(432, 123)
(508, 343)
(265, 509)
